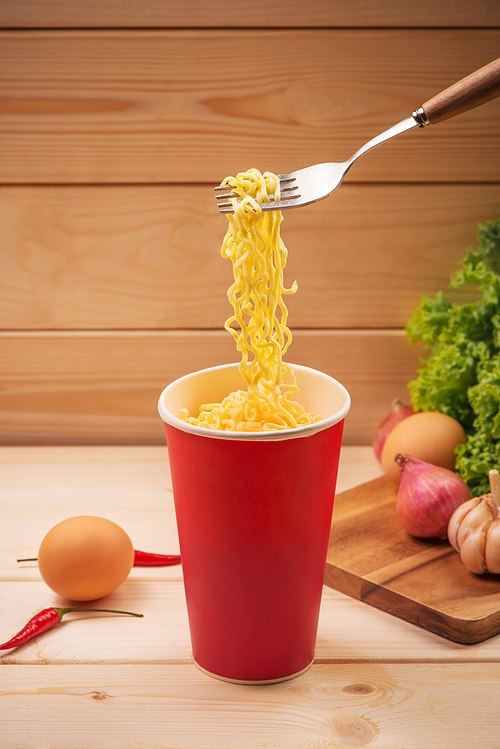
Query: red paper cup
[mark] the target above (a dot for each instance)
(253, 515)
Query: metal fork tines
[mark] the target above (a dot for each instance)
(316, 182)
(306, 186)
(288, 191)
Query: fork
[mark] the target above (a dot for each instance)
(306, 186)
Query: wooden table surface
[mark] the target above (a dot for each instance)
(104, 681)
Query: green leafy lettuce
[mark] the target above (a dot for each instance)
(461, 372)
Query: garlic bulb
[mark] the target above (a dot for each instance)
(474, 530)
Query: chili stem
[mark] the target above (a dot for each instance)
(62, 611)
(47, 619)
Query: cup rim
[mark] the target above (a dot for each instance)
(272, 435)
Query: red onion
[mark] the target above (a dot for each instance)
(397, 413)
(428, 496)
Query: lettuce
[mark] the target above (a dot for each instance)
(461, 372)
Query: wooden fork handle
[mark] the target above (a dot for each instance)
(477, 88)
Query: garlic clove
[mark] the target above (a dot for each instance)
(472, 552)
(494, 480)
(457, 517)
(478, 518)
(494, 509)
(492, 547)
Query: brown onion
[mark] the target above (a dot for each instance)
(397, 413)
(428, 496)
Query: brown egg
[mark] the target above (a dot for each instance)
(428, 435)
(84, 558)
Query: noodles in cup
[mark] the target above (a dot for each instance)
(259, 322)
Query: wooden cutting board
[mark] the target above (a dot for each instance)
(371, 558)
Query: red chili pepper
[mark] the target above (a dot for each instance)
(47, 619)
(145, 559)
(141, 559)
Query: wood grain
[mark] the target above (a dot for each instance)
(372, 558)
(109, 265)
(164, 106)
(342, 705)
(103, 388)
(37, 478)
(376, 678)
(101, 257)
(474, 90)
(349, 630)
(224, 13)
(131, 485)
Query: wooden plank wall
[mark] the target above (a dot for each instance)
(118, 118)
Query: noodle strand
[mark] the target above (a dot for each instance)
(258, 324)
